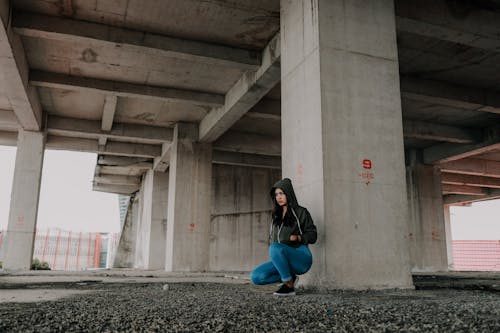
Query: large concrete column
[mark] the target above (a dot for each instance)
(153, 221)
(188, 201)
(426, 222)
(24, 201)
(342, 138)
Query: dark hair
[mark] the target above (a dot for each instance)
(277, 213)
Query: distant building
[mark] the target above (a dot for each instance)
(123, 201)
(72, 251)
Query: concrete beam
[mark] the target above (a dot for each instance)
(457, 199)
(55, 28)
(259, 116)
(8, 138)
(248, 160)
(474, 25)
(91, 129)
(121, 161)
(8, 120)
(249, 143)
(452, 151)
(118, 189)
(122, 89)
(473, 166)
(162, 162)
(450, 94)
(463, 189)
(14, 70)
(112, 148)
(469, 180)
(133, 170)
(117, 180)
(437, 132)
(249, 89)
(108, 112)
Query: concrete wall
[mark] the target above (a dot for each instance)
(427, 234)
(240, 220)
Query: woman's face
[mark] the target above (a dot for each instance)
(280, 197)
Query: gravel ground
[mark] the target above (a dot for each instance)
(213, 307)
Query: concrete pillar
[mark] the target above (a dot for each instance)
(427, 232)
(342, 138)
(189, 201)
(449, 239)
(125, 252)
(24, 201)
(152, 232)
(141, 239)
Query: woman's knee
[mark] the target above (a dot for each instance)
(256, 277)
(303, 267)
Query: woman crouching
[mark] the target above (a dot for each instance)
(292, 229)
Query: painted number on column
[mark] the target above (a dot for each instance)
(367, 164)
(367, 175)
(20, 220)
(191, 227)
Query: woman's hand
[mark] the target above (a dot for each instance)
(295, 238)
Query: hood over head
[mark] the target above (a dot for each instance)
(286, 185)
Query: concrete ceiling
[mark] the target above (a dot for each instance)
(108, 73)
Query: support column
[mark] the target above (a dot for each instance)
(152, 232)
(449, 239)
(189, 201)
(125, 252)
(427, 232)
(342, 138)
(21, 227)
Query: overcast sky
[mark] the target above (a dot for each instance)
(66, 197)
(67, 200)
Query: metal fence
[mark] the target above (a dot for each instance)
(72, 251)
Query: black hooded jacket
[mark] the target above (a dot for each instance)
(302, 225)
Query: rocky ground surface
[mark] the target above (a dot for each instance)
(241, 307)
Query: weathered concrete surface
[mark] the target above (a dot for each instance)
(125, 253)
(426, 222)
(37, 295)
(458, 280)
(241, 216)
(21, 228)
(222, 307)
(153, 226)
(189, 201)
(340, 106)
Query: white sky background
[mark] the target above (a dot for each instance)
(68, 202)
(66, 197)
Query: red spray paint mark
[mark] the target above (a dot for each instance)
(368, 176)
(300, 169)
(367, 164)
(20, 220)
(191, 227)
(410, 236)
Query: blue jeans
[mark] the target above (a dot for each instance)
(286, 261)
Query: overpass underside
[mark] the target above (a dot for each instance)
(383, 113)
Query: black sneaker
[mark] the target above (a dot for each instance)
(285, 291)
